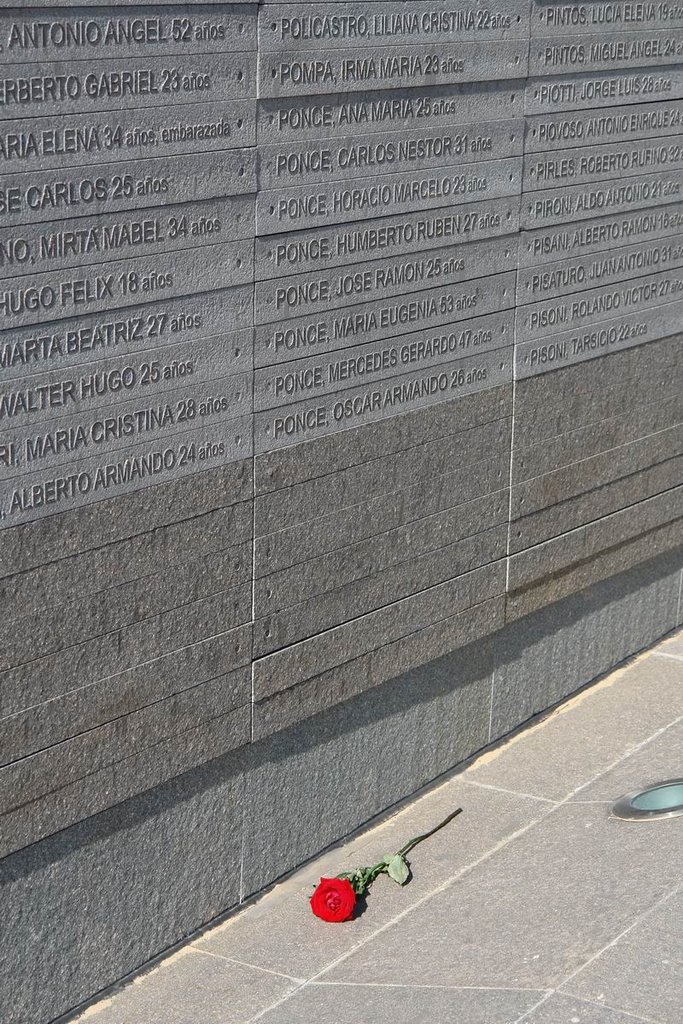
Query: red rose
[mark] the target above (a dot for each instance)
(334, 900)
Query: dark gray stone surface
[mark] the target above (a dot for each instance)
(593, 127)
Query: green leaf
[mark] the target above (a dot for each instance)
(397, 869)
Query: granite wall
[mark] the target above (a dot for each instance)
(340, 427)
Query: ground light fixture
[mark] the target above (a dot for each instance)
(662, 800)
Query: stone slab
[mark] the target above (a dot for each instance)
(582, 442)
(589, 127)
(63, 574)
(595, 471)
(51, 87)
(334, 491)
(594, 305)
(294, 26)
(663, 541)
(309, 118)
(79, 35)
(130, 853)
(104, 430)
(599, 163)
(57, 295)
(571, 347)
(89, 480)
(351, 198)
(342, 410)
(550, 654)
(320, 249)
(101, 657)
(453, 497)
(291, 296)
(325, 604)
(316, 655)
(603, 500)
(610, 88)
(145, 376)
(303, 163)
(31, 145)
(582, 544)
(339, 452)
(592, 236)
(116, 519)
(51, 769)
(581, 202)
(516, 899)
(115, 783)
(576, 275)
(83, 340)
(132, 185)
(314, 377)
(58, 244)
(613, 16)
(113, 608)
(375, 321)
(379, 666)
(289, 73)
(348, 563)
(604, 51)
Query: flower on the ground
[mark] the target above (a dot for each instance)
(335, 899)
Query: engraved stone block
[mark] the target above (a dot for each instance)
(553, 55)
(94, 139)
(596, 127)
(354, 198)
(373, 321)
(601, 16)
(311, 118)
(44, 195)
(296, 252)
(298, 26)
(30, 35)
(65, 87)
(390, 152)
(581, 91)
(291, 73)
(287, 297)
(62, 243)
(63, 344)
(319, 416)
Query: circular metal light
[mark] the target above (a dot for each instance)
(663, 800)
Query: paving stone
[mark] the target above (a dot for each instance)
(530, 915)
(280, 936)
(641, 973)
(193, 987)
(563, 1009)
(625, 712)
(655, 762)
(403, 1004)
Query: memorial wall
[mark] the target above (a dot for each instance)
(341, 426)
